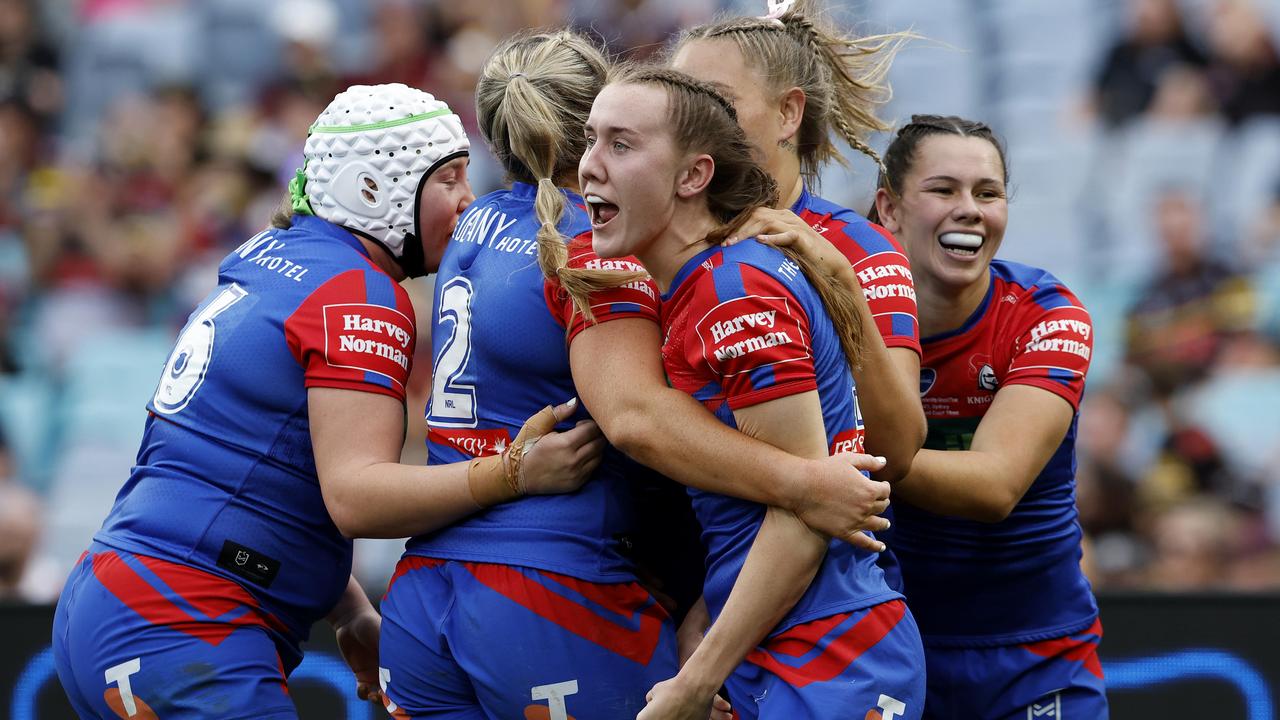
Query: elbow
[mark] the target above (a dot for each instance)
(894, 468)
(900, 455)
(346, 515)
(631, 431)
(995, 507)
(918, 432)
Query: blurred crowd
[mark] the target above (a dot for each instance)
(141, 140)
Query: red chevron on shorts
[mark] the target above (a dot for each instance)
(212, 596)
(1074, 648)
(408, 564)
(629, 600)
(840, 651)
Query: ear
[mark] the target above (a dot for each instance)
(695, 177)
(887, 207)
(790, 113)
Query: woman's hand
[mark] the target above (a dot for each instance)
(557, 462)
(358, 641)
(844, 504)
(783, 228)
(676, 700)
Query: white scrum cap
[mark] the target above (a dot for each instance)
(366, 157)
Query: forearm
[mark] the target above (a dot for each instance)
(888, 385)
(782, 562)
(655, 429)
(390, 500)
(965, 484)
(352, 603)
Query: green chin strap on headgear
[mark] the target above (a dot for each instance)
(298, 192)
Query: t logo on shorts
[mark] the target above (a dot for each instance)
(890, 708)
(554, 694)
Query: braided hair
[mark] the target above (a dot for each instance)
(843, 77)
(532, 99)
(900, 156)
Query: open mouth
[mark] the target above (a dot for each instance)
(960, 244)
(601, 210)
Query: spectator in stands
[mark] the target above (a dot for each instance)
(1245, 66)
(20, 521)
(29, 63)
(1179, 321)
(1192, 542)
(1155, 41)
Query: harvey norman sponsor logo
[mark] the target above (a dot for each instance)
(1044, 337)
(626, 266)
(368, 337)
(751, 326)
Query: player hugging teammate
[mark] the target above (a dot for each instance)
(661, 256)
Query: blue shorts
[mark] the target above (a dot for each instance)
(1059, 679)
(138, 637)
(477, 640)
(865, 664)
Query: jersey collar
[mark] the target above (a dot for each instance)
(525, 191)
(317, 226)
(690, 265)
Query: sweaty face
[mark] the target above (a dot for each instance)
(445, 194)
(952, 212)
(720, 61)
(628, 173)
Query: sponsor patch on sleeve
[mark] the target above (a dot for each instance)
(369, 338)
(1055, 352)
(747, 333)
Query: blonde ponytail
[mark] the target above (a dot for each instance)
(532, 99)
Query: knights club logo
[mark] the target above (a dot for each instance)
(980, 368)
(928, 376)
(987, 378)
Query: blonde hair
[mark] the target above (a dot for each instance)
(703, 121)
(532, 101)
(843, 76)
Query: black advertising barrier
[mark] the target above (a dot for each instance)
(1166, 657)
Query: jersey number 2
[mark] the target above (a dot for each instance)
(184, 372)
(453, 404)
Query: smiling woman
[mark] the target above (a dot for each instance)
(986, 524)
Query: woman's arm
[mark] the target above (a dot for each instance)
(1013, 442)
(356, 625)
(617, 369)
(357, 438)
(888, 378)
(782, 562)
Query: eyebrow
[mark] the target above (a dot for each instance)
(613, 130)
(948, 178)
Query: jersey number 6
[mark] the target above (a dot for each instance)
(184, 372)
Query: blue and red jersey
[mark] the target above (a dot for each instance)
(499, 342)
(973, 584)
(225, 479)
(743, 326)
(878, 259)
